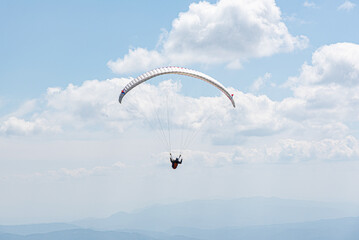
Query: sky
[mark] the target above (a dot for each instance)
(69, 150)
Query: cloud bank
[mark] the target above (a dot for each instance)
(317, 122)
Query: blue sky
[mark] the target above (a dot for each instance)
(66, 145)
(52, 44)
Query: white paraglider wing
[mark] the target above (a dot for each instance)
(174, 70)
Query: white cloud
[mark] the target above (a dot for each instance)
(291, 150)
(329, 87)
(309, 4)
(130, 62)
(227, 32)
(260, 82)
(91, 105)
(18, 126)
(347, 6)
(336, 63)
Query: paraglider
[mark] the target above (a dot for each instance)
(174, 70)
(176, 161)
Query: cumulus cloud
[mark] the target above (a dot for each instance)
(227, 32)
(91, 105)
(130, 62)
(18, 126)
(347, 6)
(329, 86)
(332, 64)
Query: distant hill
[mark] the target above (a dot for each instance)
(334, 229)
(247, 218)
(222, 213)
(36, 228)
(87, 234)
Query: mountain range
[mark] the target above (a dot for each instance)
(246, 218)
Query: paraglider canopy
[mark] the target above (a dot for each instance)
(175, 70)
